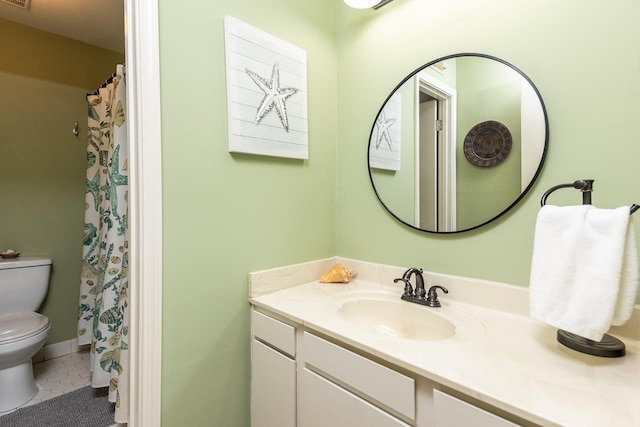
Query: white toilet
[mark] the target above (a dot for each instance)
(23, 286)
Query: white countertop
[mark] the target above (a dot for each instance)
(505, 359)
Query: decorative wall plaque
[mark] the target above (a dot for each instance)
(386, 141)
(487, 144)
(266, 93)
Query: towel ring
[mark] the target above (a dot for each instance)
(586, 187)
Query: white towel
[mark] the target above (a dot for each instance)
(584, 271)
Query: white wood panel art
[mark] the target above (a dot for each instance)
(266, 93)
(384, 152)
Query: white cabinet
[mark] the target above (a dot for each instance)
(453, 412)
(299, 379)
(273, 373)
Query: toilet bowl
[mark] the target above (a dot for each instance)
(23, 286)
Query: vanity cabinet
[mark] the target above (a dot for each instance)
(299, 379)
(273, 372)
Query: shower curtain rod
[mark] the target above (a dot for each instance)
(103, 85)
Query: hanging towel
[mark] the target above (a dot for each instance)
(584, 271)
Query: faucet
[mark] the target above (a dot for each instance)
(420, 295)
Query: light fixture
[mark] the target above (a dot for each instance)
(22, 4)
(365, 4)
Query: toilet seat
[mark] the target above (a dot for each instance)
(19, 326)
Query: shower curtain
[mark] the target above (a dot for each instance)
(103, 316)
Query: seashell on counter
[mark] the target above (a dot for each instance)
(337, 274)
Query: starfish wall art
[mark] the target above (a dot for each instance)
(384, 146)
(266, 93)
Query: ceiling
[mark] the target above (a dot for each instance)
(96, 22)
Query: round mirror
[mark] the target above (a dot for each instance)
(457, 143)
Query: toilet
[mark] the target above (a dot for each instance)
(23, 287)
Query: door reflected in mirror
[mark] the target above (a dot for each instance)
(457, 143)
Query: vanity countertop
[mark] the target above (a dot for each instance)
(507, 359)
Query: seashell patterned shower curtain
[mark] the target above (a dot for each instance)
(103, 316)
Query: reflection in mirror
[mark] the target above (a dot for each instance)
(457, 143)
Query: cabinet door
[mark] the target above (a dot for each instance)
(321, 403)
(273, 387)
(374, 382)
(453, 412)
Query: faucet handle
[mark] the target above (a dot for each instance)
(408, 290)
(432, 295)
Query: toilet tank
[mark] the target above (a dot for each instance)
(23, 283)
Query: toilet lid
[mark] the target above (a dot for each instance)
(17, 326)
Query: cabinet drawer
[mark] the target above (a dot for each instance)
(453, 412)
(370, 379)
(274, 332)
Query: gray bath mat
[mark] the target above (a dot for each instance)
(86, 407)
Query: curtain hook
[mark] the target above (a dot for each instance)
(75, 129)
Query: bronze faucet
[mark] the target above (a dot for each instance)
(418, 296)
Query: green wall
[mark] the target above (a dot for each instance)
(225, 215)
(584, 57)
(43, 83)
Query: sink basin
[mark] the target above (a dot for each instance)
(392, 316)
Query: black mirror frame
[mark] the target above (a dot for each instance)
(522, 194)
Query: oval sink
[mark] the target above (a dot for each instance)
(398, 318)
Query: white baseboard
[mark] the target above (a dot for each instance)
(58, 349)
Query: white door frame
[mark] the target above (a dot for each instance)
(145, 216)
(426, 198)
(447, 99)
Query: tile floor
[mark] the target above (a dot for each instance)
(61, 375)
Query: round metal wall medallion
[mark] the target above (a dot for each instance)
(487, 144)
